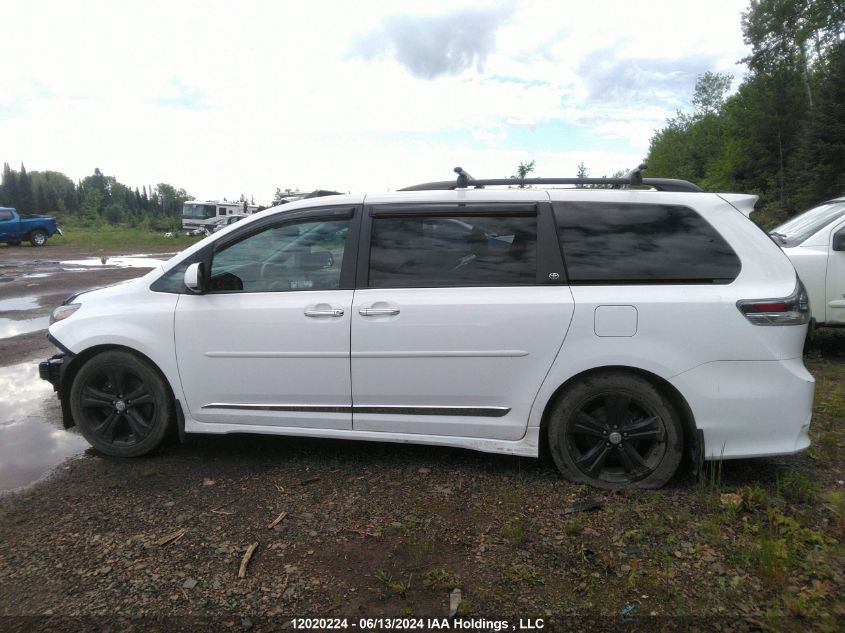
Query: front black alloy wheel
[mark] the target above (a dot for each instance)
(121, 404)
(615, 430)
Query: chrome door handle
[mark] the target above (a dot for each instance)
(334, 312)
(378, 311)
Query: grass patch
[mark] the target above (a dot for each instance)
(398, 586)
(522, 574)
(441, 580)
(514, 531)
(797, 487)
(112, 238)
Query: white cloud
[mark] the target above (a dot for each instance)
(225, 98)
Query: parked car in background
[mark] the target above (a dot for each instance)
(815, 243)
(15, 228)
(618, 329)
(222, 223)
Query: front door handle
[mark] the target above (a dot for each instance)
(323, 310)
(378, 311)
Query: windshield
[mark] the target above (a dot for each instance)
(195, 211)
(801, 227)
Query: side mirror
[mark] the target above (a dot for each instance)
(839, 241)
(194, 277)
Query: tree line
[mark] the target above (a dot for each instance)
(781, 135)
(94, 197)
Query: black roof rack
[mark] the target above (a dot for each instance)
(634, 178)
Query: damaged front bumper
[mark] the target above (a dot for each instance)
(52, 370)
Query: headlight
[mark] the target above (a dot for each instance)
(63, 312)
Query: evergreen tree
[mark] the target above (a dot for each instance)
(26, 200)
(10, 186)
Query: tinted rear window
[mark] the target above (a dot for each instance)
(440, 251)
(641, 243)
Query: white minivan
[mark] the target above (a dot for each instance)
(616, 328)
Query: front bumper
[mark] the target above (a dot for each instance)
(52, 370)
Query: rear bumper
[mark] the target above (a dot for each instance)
(750, 408)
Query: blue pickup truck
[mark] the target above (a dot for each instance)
(15, 228)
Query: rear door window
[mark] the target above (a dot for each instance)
(619, 243)
(443, 250)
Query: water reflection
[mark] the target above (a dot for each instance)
(32, 441)
(119, 262)
(19, 303)
(11, 327)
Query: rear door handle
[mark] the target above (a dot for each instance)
(378, 311)
(323, 310)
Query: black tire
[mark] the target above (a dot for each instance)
(590, 427)
(121, 404)
(38, 237)
(14, 242)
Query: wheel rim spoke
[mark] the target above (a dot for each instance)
(652, 434)
(588, 425)
(92, 397)
(140, 427)
(616, 405)
(144, 398)
(594, 458)
(638, 425)
(631, 460)
(109, 426)
(116, 379)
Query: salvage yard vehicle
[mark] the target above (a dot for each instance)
(15, 228)
(619, 327)
(815, 243)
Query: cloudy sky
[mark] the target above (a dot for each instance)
(224, 98)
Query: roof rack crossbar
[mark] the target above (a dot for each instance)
(633, 179)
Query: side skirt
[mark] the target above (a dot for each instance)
(528, 446)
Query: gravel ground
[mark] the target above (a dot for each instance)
(371, 530)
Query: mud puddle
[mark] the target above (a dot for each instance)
(19, 303)
(30, 445)
(129, 261)
(13, 327)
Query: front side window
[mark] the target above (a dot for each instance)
(794, 231)
(304, 255)
(438, 251)
(641, 244)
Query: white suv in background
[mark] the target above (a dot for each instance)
(617, 328)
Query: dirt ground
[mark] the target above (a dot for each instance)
(367, 531)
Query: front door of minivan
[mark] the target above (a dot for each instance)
(268, 342)
(459, 314)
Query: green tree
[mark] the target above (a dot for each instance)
(522, 171)
(26, 201)
(10, 186)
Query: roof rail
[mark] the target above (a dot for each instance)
(634, 178)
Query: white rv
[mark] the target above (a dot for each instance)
(197, 214)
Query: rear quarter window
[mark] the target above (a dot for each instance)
(619, 243)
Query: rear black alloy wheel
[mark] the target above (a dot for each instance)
(616, 430)
(120, 404)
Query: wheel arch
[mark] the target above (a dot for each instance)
(693, 442)
(78, 360)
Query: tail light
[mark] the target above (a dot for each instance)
(791, 310)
